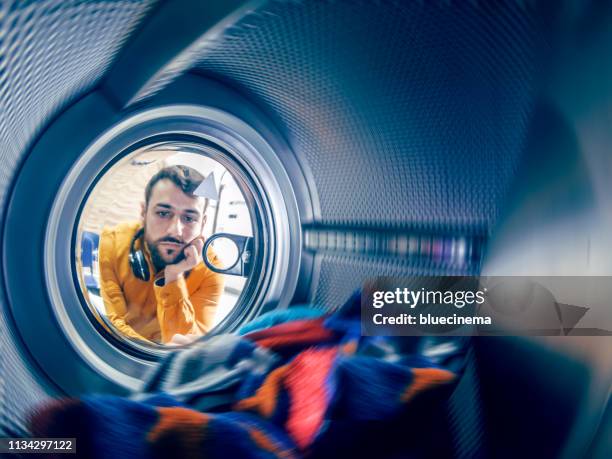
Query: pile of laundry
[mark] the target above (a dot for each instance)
(290, 384)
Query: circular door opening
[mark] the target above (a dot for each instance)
(250, 199)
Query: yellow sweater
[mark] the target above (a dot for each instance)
(145, 311)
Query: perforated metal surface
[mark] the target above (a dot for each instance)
(51, 52)
(406, 113)
(18, 388)
(402, 114)
(341, 275)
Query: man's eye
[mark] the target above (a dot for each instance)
(188, 219)
(163, 213)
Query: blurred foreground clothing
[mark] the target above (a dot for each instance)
(308, 386)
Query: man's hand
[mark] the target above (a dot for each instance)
(193, 256)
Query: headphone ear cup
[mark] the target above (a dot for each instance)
(139, 265)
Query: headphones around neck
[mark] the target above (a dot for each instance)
(137, 259)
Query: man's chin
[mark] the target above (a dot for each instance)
(161, 257)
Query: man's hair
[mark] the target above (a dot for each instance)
(184, 177)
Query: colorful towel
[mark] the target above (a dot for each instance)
(114, 427)
(288, 390)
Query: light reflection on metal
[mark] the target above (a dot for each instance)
(439, 250)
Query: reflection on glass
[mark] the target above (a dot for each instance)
(229, 251)
(141, 238)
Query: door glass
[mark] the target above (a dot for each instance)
(140, 243)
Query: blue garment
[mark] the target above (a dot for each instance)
(280, 316)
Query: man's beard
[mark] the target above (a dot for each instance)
(156, 257)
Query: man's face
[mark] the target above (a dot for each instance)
(172, 219)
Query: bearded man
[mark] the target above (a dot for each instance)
(154, 283)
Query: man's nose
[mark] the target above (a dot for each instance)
(176, 228)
